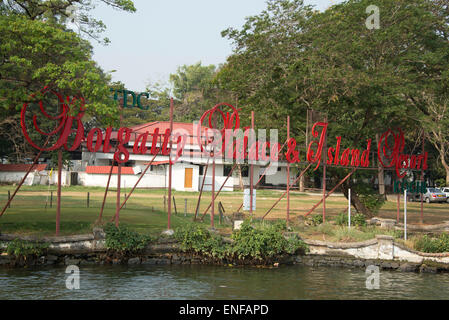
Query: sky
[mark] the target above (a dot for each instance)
(150, 44)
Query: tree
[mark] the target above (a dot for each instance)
(290, 58)
(65, 12)
(193, 87)
(37, 49)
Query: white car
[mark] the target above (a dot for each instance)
(445, 190)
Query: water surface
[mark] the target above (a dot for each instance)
(213, 282)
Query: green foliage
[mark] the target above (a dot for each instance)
(263, 243)
(65, 12)
(124, 241)
(250, 243)
(38, 49)
(20, 248)
(433, 245)
(316, 219)
(356, 220)
(329, 62)
(440, 183)
(196, 238)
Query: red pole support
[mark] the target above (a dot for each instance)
(221, 188)
(324, 175)
(106, 191)
(58, 208)
(117, 208)
(170, 166)
(24, 178)
(201, 190)
(330, 192)
(288, 174)
(398, 207)
(212, 212)
(263, 174)
(251, 171)
(140, 178)
(280, 198)
(422, 181)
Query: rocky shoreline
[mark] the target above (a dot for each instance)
(90, 250)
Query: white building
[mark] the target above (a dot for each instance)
(187, 172)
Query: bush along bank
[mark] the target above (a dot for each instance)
(256, 245)
(253, 244)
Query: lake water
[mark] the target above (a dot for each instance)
(213, 282)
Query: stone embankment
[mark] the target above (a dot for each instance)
(382, 251)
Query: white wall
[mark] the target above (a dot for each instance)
(219, 180)
(35, 178)
(150, 180)
(178, 176)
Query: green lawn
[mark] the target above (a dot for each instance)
(30, 212)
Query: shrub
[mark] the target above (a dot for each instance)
(433, 245)
(259, 243)
(356, 220)
(196, 238)
(263, 243)
(342, 219)
(124, 241)
(20, 248)
(316, 219)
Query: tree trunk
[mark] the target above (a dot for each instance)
(302, 184)
(356, 202)
(381, 175)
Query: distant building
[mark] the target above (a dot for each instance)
(187, 172)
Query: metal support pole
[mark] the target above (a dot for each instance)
(117, 207)
(324, 158)
(398, 207)
(58, 208)
(405, 214)
(201, 190)
(251, 170)
(288, 175)
(263, 174)
(51, 199)
(221, 188)
(24, 178)
(106, 191)
(88, 196)
(138, 181)
(349, 208)
(185, 207)
(282, 196)
(170, 166)
(212, 212)
(9, 199)
(422, 179)
(330, 192)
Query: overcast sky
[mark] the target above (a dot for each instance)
(163, 34)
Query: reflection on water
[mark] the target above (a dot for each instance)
(211, 282)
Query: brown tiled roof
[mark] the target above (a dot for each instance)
(21, 167)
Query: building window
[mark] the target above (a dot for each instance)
(226, 170)
(245, 172)
(201, 170)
